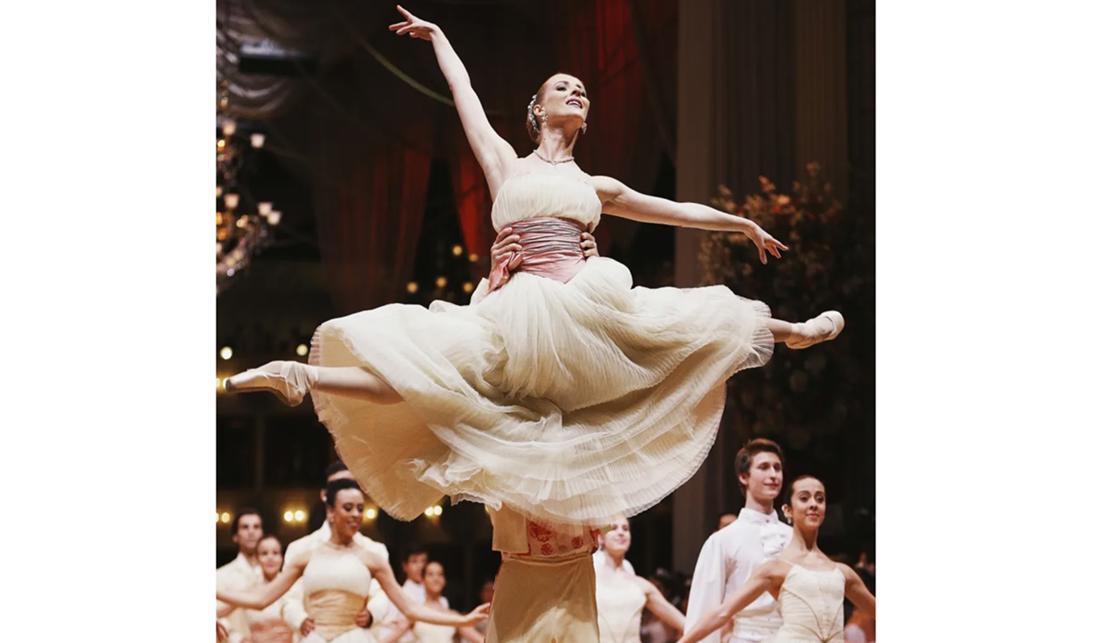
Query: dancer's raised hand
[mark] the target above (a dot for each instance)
(414, 26)
(766, 243)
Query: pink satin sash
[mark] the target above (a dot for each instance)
(551, 249)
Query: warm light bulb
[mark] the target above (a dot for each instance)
(288, 516)
(411, 287)
(298, 515)
(231, 200)
(441, 282)
(457, 250)
(225, 517)
(228, 127)
(301, 349)
(274, 217)
(437, 510)
(257, 139)
(473, 257)
(220, 144)
(429, 512)
(370, 513)
(264, 208)
(226, 353)
(468, 287)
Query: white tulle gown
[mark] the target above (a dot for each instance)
(567, 394)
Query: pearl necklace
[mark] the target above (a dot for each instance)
(536, 153)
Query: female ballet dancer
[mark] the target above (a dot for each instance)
(621, 595)
(808, 586)
(562, 393)
(337, 575)
(267, 625)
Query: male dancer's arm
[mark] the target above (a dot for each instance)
(708, 583)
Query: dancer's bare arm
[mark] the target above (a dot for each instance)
(858, 593)
(660, 607)
(262, 598)
(494, 154)
(764, 579)
(381, 571)
(623, 201)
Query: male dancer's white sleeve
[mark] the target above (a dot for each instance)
(708, 584)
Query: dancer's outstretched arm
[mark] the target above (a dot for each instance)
(762, 580)
(258, 600)
(381, 571)
(623, 201)
(660, 607)
(858, 593)
(493, 152)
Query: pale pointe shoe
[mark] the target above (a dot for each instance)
(812, 331)
(289, 381)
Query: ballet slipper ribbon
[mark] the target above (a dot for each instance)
(551, 249)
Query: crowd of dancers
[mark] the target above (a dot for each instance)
(751, 557)
(563, 399)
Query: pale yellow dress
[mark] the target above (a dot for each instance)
(811, 603)
(567, 402)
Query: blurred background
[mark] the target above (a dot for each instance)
(344, 182)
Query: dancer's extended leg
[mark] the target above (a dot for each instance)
(291, 381)
(824, 327)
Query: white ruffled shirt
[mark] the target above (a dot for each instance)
(237, 576)
(725, 563)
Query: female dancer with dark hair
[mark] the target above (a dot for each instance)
(337, 576)
(808, 586)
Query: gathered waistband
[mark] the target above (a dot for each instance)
(551, 248)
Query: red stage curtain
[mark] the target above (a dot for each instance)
(370, 201)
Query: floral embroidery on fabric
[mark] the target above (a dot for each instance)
(540, 533)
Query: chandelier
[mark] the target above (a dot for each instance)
(244, 223)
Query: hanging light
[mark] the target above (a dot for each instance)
(411, 287)
(228, 127)
(472, 257)
(231, 200)
(274, 217)
(257, 140)
(370, 513)
(457, 250)
(264, 208)
(301, 349)
(468, 287)
(441, 281)
(226, 353)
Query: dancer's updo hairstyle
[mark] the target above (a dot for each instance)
(334, 487)
(532, 123)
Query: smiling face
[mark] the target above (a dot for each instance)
(269, 556)
(616, 538)
(763, 482)
(561, 98)
(434, 578)
(346, 513)
(807, 505)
